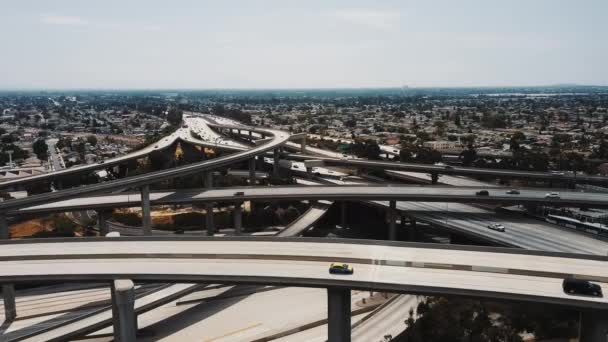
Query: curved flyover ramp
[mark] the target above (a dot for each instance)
(397, 267)
(278, 139)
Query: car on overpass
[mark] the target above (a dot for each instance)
(340, 268)
(513, 192)
(497, 227)
(581, 287)
(552, 195)
(482, 193)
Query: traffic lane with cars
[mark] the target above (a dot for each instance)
(387, 192)
(400, 269)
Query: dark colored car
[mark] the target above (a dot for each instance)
(513, 192)
(340, 268)
(482, 193)
(581, 287)
(239, 193)
(448, 167)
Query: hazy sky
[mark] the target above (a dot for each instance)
(296, 44)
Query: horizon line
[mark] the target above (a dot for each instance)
(404, 87)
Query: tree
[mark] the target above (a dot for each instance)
(439, 127)
(91, 139)
(468, 156)
(350, 123)
(516, 139)
(41, 149)
(457, 120)
(174, 116)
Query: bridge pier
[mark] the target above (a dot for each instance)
(343, 215)
(434, 178)
(594, 326)
(275, 162)
(208, 179)
(146, 219)
(102, 221)
(8, 290)
(238, 218)
(123, 310)
(252, 171)
(392, 226)
(303, 144)
(413, 231)
(338, 315)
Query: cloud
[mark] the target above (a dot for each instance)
(375, 19)
(63, 20)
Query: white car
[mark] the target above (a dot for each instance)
(553, 195)
(497, 227)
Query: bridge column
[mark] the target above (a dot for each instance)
(343, 214)
(392, 226)
(252, 171)
(275, 162)
(594, 326)
(146, 219)
(413, 231)
(123, 310)
(338, 315)
(238, 218)
(434, 178)
(102, 221)
(8, 290)
(208, 179)
(303, 144)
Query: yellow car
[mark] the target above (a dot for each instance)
(340, 268)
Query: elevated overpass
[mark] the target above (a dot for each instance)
(323, 192)
(506, 274)
(455, 170)
(278, 138)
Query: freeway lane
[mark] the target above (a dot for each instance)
(328, 192)
(456, 170)
(278, 139)
(398, 267)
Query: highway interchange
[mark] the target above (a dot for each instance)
(415, 201)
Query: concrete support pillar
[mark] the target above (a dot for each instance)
(208, 179)
(343, 222)
(434, 178)
(238, 218)
(392, 226)
(8, 290)
(252, 171)
(303, 144)
(594, 326)
(146, 217)
(413, 231)
(209, 219)
(102, 221)
(123, 310)
(309, 172)
(338, 315)
(275, 162)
